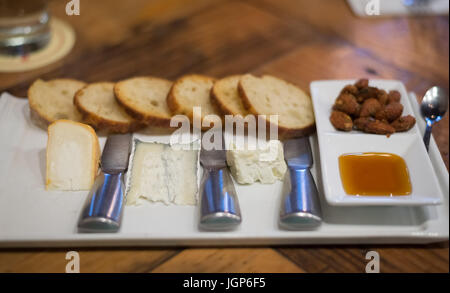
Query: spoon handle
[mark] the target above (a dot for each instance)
(427, 136)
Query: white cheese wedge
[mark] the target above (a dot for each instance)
(161, 173)
(73, 154)
(264, 164)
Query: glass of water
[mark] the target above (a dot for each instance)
(24, 26)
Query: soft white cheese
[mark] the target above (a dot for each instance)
(162, 173)
(264, 163)
(72, 156)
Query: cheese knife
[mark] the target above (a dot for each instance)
(300, 207)
(219, 206)
(102, 211)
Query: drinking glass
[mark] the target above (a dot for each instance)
(24, 26)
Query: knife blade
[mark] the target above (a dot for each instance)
(210, 157)
(300, 207)
(102, 211)
(297, 153)
(219, 206)
(116, 153)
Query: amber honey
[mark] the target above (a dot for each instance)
(374, 174)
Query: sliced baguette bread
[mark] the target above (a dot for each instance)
(73, 154)
(145, 99)
(268, 95)
(100, 109)
(225, 95)
(193, 91)
(53, 100)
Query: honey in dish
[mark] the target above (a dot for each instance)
(374, 174)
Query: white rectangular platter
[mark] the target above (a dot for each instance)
(33, 217)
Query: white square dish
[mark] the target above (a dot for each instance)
(408, 145)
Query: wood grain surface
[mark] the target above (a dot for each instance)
(300, 41)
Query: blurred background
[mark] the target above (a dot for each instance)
(317, 39)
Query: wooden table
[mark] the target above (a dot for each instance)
(300, 41)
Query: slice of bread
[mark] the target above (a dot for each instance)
(145, 99)
(53, 100)
(225, 95)
(193, 91)
(73, 155)
(268, 95)
(100, 109)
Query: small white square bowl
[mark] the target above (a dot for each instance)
(408, 145)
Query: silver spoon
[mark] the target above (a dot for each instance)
(433, 108)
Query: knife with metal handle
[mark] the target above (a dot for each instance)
(219, 206)
(300, 208)
(103, 208)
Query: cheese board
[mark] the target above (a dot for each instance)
(30, 216)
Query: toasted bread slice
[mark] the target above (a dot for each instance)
(145, 99)
(100, 109)
(53, 100)
(73, 155)
(225, 95)
(193, 91)
(268, 95)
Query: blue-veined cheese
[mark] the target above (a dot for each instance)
(162, 173)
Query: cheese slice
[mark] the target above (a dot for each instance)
(182, 175)
(264, 163)
(73, 155)
(163, 173)
(148, 174)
